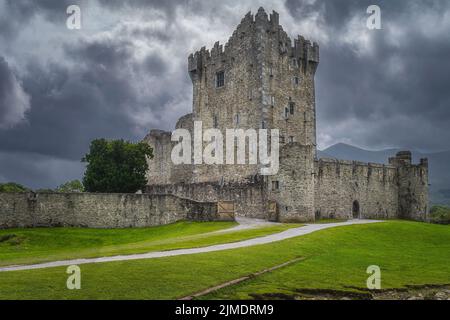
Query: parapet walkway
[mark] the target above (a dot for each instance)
(288, 234)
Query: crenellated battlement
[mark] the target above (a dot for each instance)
(345, 169)
(404, 159)
(413, 186)
(249, 30)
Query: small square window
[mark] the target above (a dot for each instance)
(275, 185)
(220, 79)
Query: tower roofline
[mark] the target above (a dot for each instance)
(299, 48)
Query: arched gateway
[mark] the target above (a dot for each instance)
(355, 210)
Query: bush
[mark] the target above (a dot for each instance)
(12, 187)
(74, 186)
(440, 214)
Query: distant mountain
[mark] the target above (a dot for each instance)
(439, 165)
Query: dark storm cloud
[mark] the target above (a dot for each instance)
(14, 102)
(70, 107)
(18, 13)
(38, 171)
(386, 88)
(167, 6)
(397, 90)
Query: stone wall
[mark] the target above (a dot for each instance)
(99, 210)
(248, 196)
(339, 185)
(160, 167)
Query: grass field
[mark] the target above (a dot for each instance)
(408, 253)
(26, 246)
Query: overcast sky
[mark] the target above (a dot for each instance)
(125, 72)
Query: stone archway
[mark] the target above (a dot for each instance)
(356, 210)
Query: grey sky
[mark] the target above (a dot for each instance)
(125, 73)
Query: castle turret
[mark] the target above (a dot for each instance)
(412, 186)
(293, 187)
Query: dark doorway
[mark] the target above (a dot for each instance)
(356, 213)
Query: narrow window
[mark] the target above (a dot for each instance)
(286, 113)
(237, 119)
(291, 139)
(216, 122)
(272, 101)
(271, 71)
(296, 81)
(264, 125)
(220, 79)
(282, 140)
(275, 185)
(291, 107)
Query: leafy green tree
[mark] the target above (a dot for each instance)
(116, 166)
(71, 187)
(12, 187)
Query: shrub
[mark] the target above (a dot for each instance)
(440, 214)
(12, 187)
(74, 186)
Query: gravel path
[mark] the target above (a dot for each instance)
(291, 233)
(248, 223)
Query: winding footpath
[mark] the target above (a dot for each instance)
(288, 234)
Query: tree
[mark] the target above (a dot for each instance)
(12, 187)
(116, 166)
(71, 187)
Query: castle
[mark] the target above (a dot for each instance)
(261, 79)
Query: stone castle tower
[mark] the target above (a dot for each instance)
(261, 79)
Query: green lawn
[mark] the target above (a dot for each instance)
(26, 246)
(408, 253)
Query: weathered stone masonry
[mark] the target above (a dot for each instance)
(268, 82)
(93, 210)
(250, 197)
